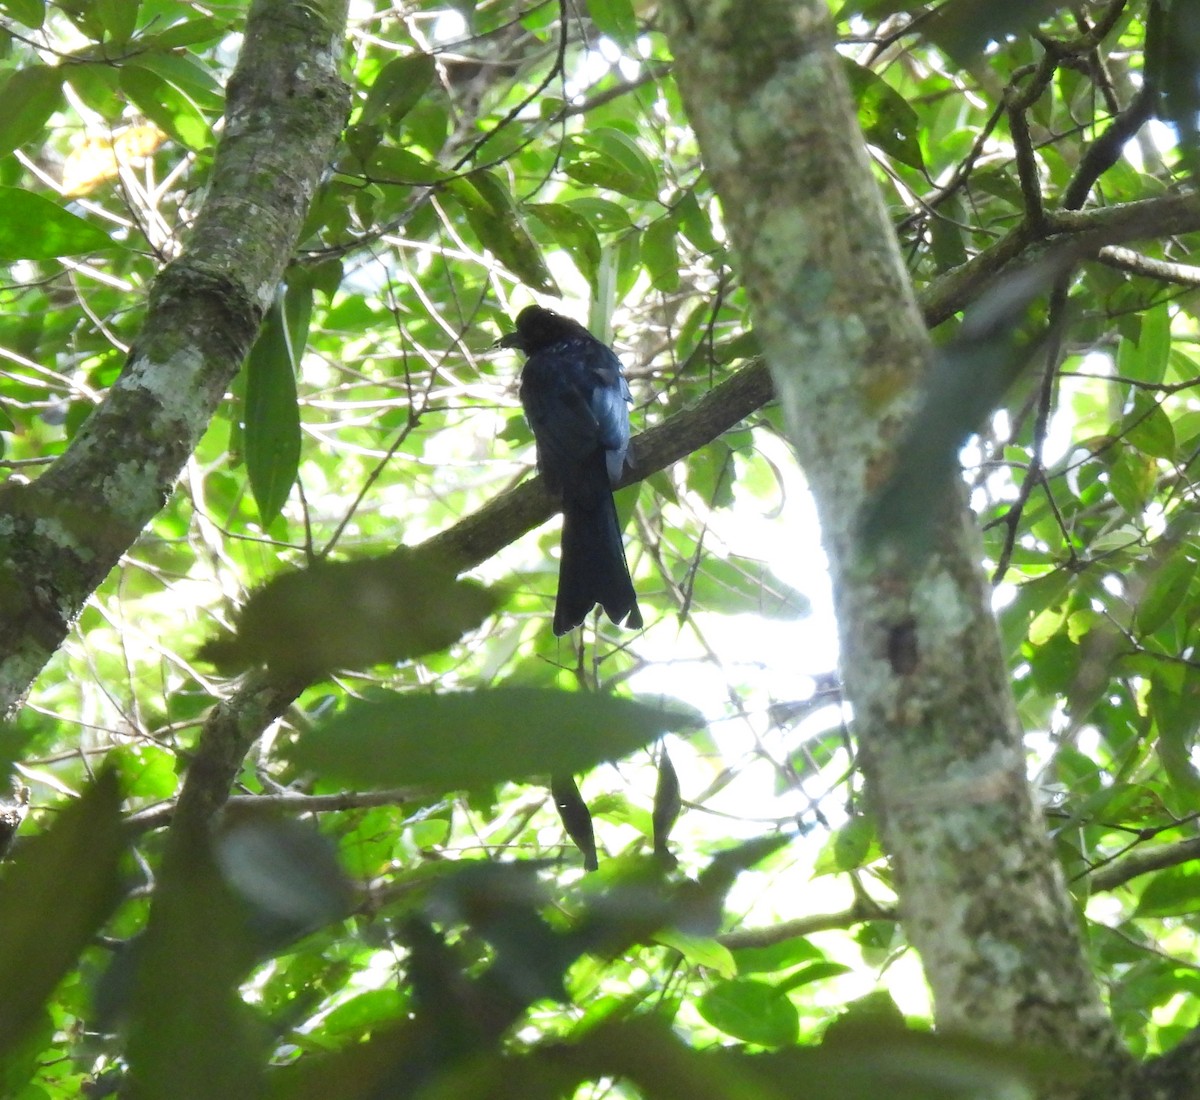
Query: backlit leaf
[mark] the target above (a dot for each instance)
(34, 228)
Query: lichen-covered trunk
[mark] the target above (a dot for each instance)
(981, 895)
(61, 534)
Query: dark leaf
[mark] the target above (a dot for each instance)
(28, 12)
(576, 818)
(119, 18)
(166, 105)
(734, 585)
(55, 893)
(967, 381)
(352, 614)
(667, 804)
(288, 876)
(660, 255)
(574, 232)
(492, 214)
(963, 28)
(1165, 593)
(190, 1035)
(1174, 892)
(887, 121)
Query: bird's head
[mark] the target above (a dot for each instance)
(538, 327)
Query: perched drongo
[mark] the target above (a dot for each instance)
(576, 401)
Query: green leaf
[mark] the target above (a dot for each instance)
(187, 32)
(166, 105)
(272, 423)
(616, 19)
(187, 75)
(1174, 892)
(735, 585)
(696, 223)
(603, 215)
(711, 474)
(775, 957)
(389, 164)
(352, 614)
(815, 972)
(398, 89)
(119, 18)
(1148, 428)
(29, 13)
(54, 894)
(493, 216)
(888, 122)
(660, 255)
(700, 951)
(1165, 593)
(34, 228)
(965, 27)
(574, 232)
(752, 1011)
(467, 740)
(597, 167)
(147, 770)
(1176, 713)
(365, 1012)
(30, 95)
(1146, 359)
(851, 846)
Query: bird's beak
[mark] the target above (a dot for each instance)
(510, 340)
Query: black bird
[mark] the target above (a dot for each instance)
(576, 401)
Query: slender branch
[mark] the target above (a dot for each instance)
(292, 802)
(1137, 862)
(1167, 271)
(857, 913)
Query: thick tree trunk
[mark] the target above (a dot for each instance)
(61, 534)
(982, 898)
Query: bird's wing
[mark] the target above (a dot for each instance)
(609, 402)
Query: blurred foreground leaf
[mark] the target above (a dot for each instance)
(468, 740)
(190, 1034)
(56, 892)
(352, 614)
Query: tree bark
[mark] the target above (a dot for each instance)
(981, 896)
(61, 534)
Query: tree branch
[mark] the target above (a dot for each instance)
(1090, 230)
(857, 913)
(1121, 871)
(292, 802)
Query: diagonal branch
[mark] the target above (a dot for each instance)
(235, 723)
